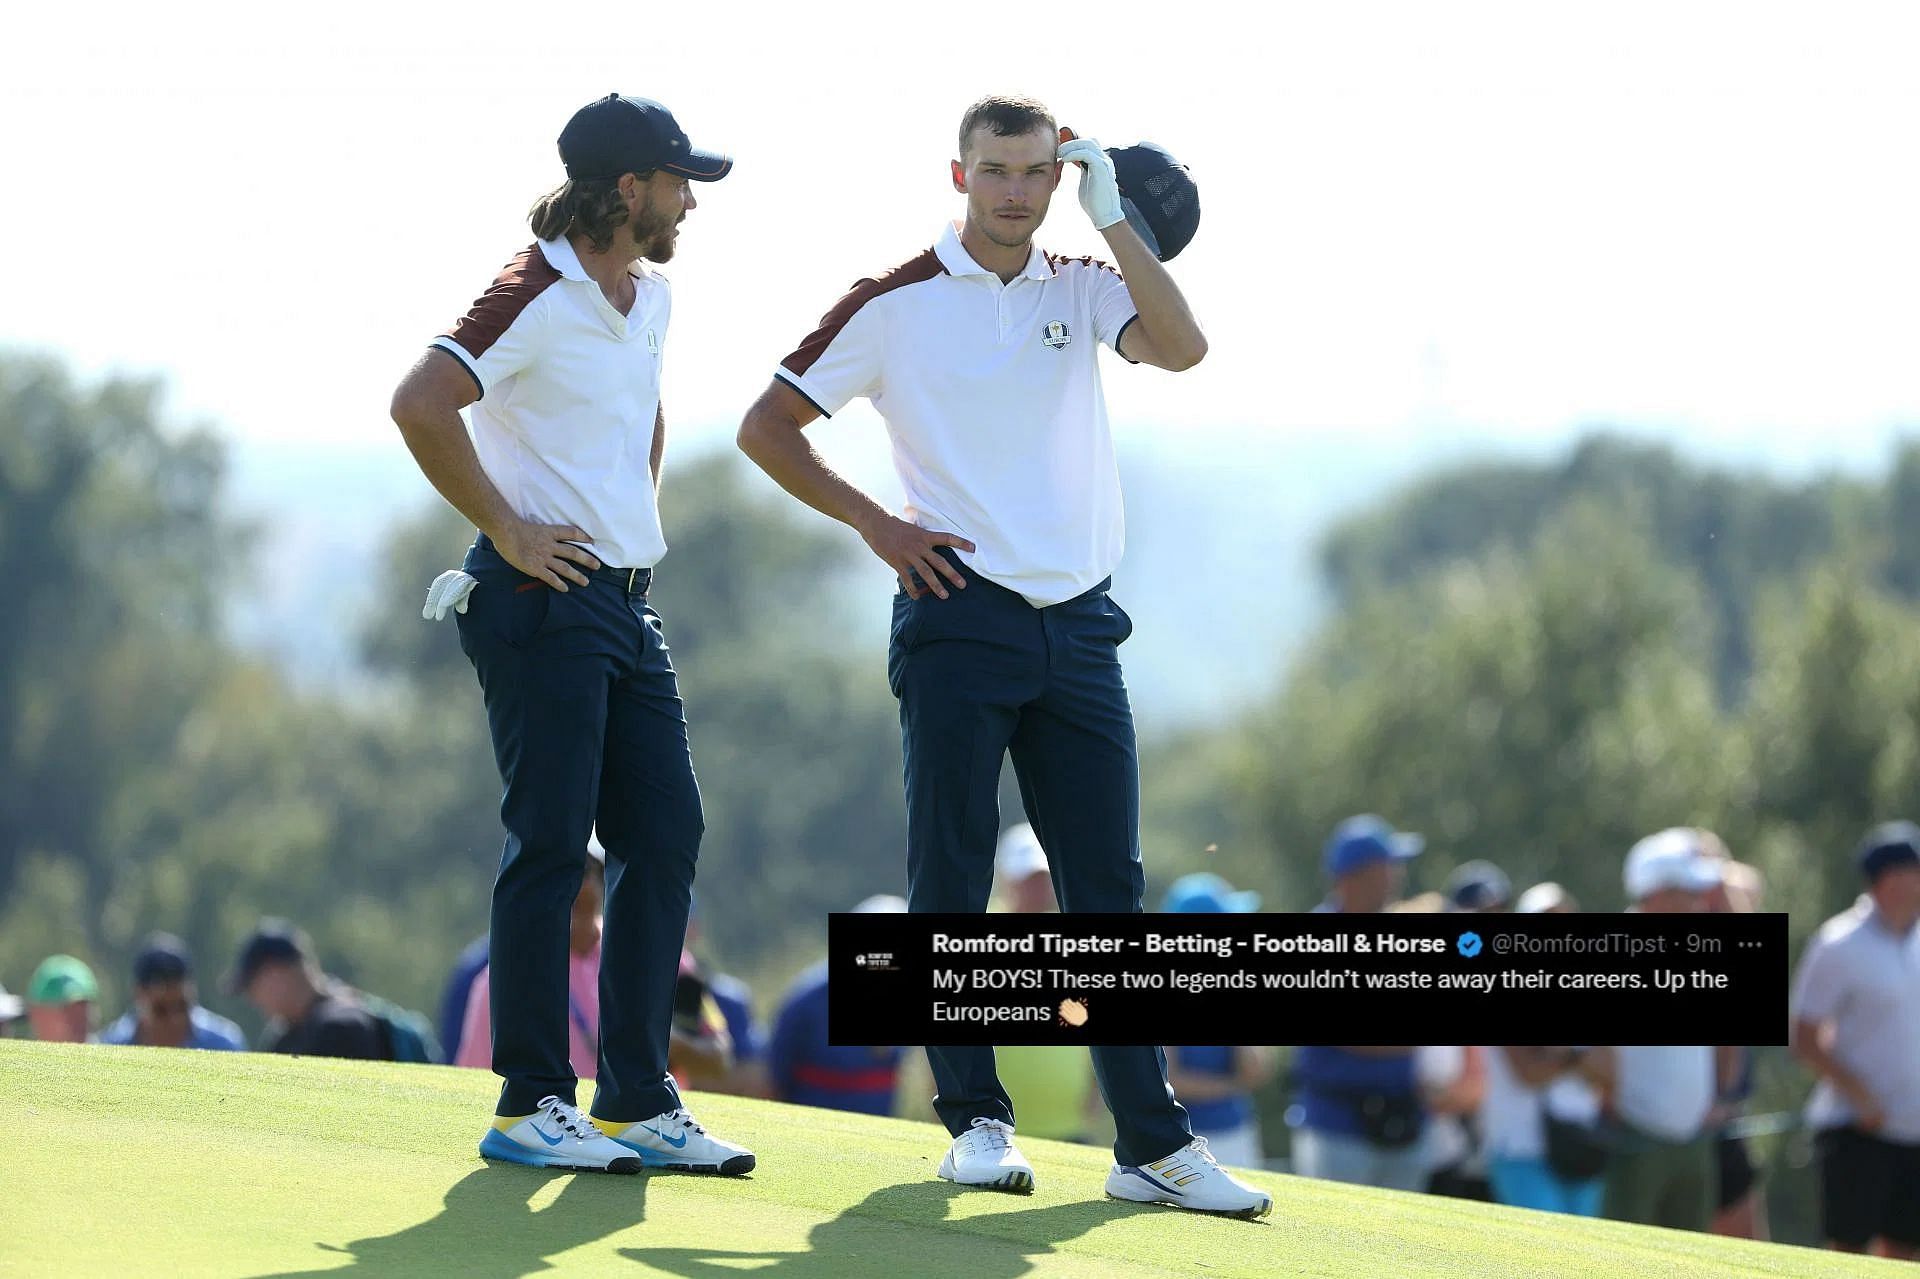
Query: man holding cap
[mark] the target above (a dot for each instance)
(166, 1008)
(1856, 1024)
(560, 360)
(981, 353)
(61, 999)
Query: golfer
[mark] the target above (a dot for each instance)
(560, 360)
(980, 354)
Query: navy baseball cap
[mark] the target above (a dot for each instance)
(1888, 846)
(1361, 841)
(274, 941)
(162, 958)
(1161, 201)
(620, 134)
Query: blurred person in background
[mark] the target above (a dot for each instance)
(746, 1073)
(1856, 1025)
(1546, 898)
(1478, 888)
(453, 999)
(1365, 861)
(1216, 1084)
(1662, 1169)
(1453, 1076)
(13, 1011)
(166, 1007)
(1452, 1079)
(699, 1051)
(806, 1069)
(309, 1013)
(1359, 1116)
(1540, 1125)
(1051, 1087)
(1741, 1203)
(62, 999)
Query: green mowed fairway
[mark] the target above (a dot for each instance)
(134, 1161)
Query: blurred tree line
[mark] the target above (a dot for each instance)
(1535, 663)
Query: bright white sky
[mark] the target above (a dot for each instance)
(1500, 221)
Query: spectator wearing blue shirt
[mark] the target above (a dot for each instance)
(1216, 1083)
(1360, 1116)
(166, 1009)
(807, 1070)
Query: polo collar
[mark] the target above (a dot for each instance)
(561, 257)
(954, 257)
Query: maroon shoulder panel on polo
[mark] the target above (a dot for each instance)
(922, 266)
(518, 284)
(1056, 261)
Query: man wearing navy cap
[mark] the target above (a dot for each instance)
(1361, 1110)
(981, 354)
(560, 361)
(1856, 1025)
(166, 1008)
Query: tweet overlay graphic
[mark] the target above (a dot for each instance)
(1307, 979)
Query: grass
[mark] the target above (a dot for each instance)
(147, 1161)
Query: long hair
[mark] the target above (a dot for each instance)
(590, 206)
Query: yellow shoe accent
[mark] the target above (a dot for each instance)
(504, 1122)
(611, 1127)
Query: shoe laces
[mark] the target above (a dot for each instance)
(684, 1118)
(568, 1119)
(989, 1134)
(1199, 1148)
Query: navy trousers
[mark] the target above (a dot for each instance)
(587, 728)
(982, 674)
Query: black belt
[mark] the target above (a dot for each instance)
(633, 581)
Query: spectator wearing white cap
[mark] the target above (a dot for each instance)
(1662, 1170)
(1546, 898)
(1021, 872)
(1052, 1087)
(1856, 1024)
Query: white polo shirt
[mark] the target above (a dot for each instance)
(1865, 979)
(1664, 1089)
(991, 395)
(569, 390)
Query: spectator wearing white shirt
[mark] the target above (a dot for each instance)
(1662, 1169)
(1539, 1119)
(1856, 1024)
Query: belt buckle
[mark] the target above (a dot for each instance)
(632, 574)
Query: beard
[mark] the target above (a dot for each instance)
(652, 232)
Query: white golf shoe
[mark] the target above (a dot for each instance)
(984, 1155)
(1192, 1178)
(556, 1136)
(675, 1142)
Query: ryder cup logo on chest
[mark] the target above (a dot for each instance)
(1055, 335)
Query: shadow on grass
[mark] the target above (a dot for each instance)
(488, 1229)
(901, 1231)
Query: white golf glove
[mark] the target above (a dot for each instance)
(1099, 188)
(449, 591)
